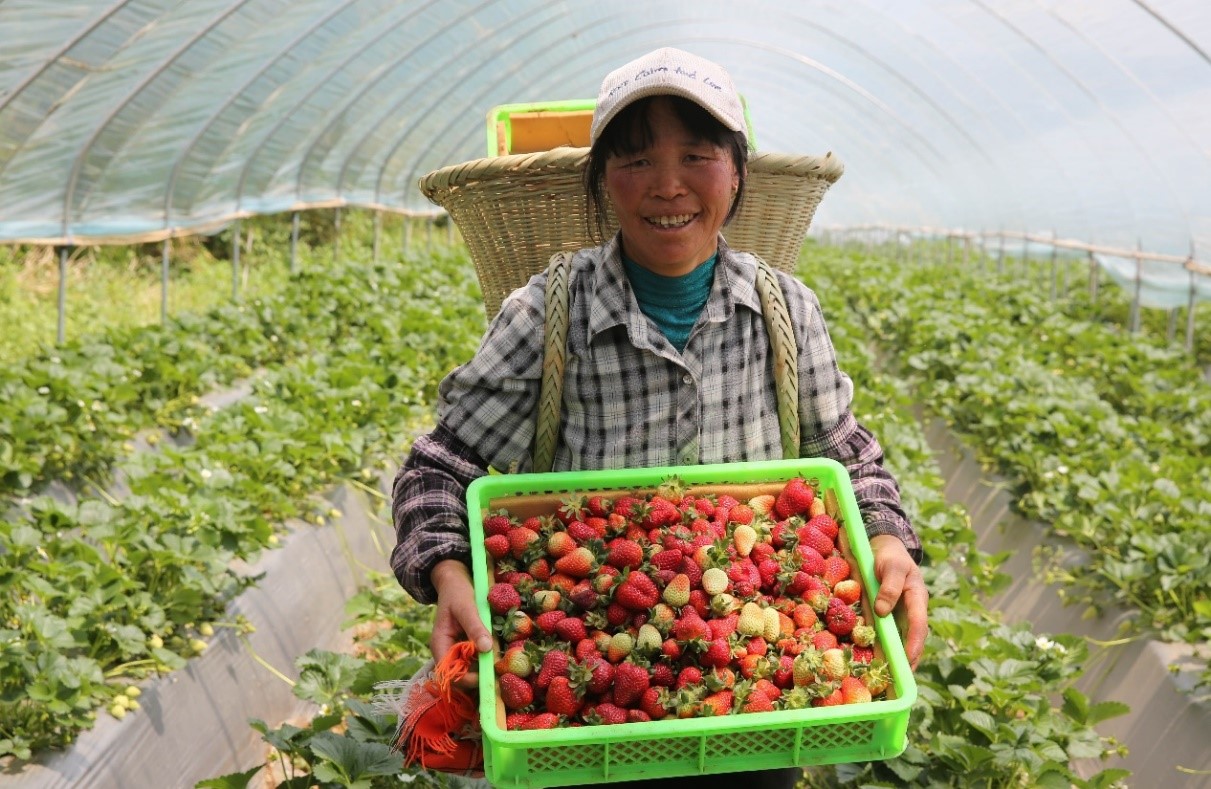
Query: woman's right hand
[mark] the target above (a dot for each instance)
(457, 618)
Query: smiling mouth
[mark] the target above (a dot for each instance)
(670, 222)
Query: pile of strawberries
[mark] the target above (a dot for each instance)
(643, 607)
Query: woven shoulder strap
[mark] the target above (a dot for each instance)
(550, 395)
(785, 356)
(555, 349)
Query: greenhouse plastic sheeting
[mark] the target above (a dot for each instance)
(138, 119)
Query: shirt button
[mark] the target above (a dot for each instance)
(688, 379)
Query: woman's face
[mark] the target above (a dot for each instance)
(671, 197)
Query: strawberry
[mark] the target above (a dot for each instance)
(836, 569)
(502, 598)
(757, 702)
(783, 675)
(582, 532)
(572, 509)
(625, 553)
(668, 559)
(876, 677)
(833, 698)
(546, 600)
(823, 640)
(554, 664)
(825, 524)
(795, 498)
(814, 538)
(677, 593)
(518, 720)
(861, 654)
(630, 682)
(717, 655)
(560, 544)
(585, 649)
(515, 661)
(718, 703)
(723, 626)
(637, 716)
(637, 592)
(621, 645)
(745, 537)
(579, 563)
(863, 635)
(839, 618)
(606, 714)
(543, 720)
(517, 625)
(497, 523)
(811, 561)
(520, 540)
(652, 703)
(515, 692)
(570, 629)
(853, 691)
(804, 615)
(584, 595)
(599, 506)
(848, 590)
(691, 626)
(690, 675)
(762, 505)
(648, 640)
(662, 673)
(497, 546)
(833, 664)
(562, 698)
(715, 581)
(691, 570)
(752, 620)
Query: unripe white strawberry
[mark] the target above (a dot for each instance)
(715, 581)
(752, 620)
(773, 625)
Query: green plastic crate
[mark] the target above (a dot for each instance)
(694, 746)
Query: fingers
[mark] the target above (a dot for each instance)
(902, 590)
(915, 602)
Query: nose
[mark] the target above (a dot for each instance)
(667, 181)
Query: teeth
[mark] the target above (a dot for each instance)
(671, 221)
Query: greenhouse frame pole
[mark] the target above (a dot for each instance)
(378, 230)
(1191, 304)
(164, 259)
(1134, 322)
(336, 236)
(61, 327)
(294, 241)
(1093, 277)
(1055, 273)
(235, 261)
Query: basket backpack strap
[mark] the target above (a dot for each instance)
(785, 356)
(550, 393)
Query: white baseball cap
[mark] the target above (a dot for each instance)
(670, 72)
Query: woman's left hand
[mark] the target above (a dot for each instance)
(901, 589)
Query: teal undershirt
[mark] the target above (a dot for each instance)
(672, 303)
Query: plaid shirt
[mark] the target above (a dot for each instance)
(631, 400)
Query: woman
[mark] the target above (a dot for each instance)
(667, 353)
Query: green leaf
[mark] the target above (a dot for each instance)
(354, 761)
(229, 781)
(978, 719)
(1104, 710)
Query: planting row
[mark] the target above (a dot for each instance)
(103, 591)
(1106, 434)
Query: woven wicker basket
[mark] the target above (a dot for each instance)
(516, 211)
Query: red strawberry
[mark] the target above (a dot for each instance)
(547, 620)
(794, 499)
(599, 506)
(517, 625)
(825, 524)
(835, 569)
(582, 532)
(691, 626)
(606, 713)
(570, 629)
(814, 538)
(690, 675)
(630, 682)
(839, 618)
(497, 523)
(539, 569)
(741, 514)
(502, 598)
(637, 592)
(625, 553)
(518, 720)
(520, 540)
(543, 720)
(515, 692)
(577, 564)
(811, 561)
(652, 703)
(562, 698)
(824, 640)
(669, 559)
(584, 595)
(497, 546)
(597, 675)
(677, 593)
(717, 655)
(757, 702)
(662, 674)
(862, 654)
(554, 664)
(719, 703)
(832, 699)
(853, 691)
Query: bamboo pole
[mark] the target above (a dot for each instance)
(61, 324)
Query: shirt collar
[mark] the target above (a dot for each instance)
(612, 302)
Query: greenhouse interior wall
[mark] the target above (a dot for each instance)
(234, 270)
